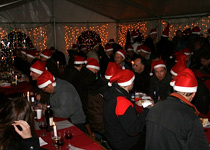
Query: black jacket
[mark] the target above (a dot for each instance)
(122, 129)
(172, 124)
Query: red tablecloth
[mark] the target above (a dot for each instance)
(21, 87)
(79, 139)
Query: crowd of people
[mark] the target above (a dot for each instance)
(96, 85)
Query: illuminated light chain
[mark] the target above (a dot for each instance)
(73, 32)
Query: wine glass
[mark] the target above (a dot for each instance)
(68, 135)
(55, 138)
(42, 126)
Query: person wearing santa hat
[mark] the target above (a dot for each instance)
(46, 56)
(114, 45)
(94, 52)
(105, 59)
(123, 127)
(131, 55)
(174, 122)
(159, 82)
(120, 57)
(165, 47)
(145, 52)
(64, 99)
(31, 56)
(151, 42)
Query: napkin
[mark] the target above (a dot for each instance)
(42, 142)
(75, 148)
(63, 124)
(146, 97)
(146, 103)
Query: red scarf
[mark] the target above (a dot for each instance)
(186, 101)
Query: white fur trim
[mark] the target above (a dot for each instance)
(187, 54)
(173, 73)
(30, 56)
(185, 89)
(95, 46)
(121, 54)
(151, 74)
(79, 62)
(196, 33)
(109, 84)
(135, 36)
(164, 35)
(160, 65)
(155, 32)
(127, 83)
(44, 84)
(54, 84)
(111, 42)
(47, 57)
(130, 49)
(92, 66)
(108, 50)
(145, 51)
(107, 77)
(36, 70)
(23, 52)
(85, 48)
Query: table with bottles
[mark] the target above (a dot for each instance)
(78, 140)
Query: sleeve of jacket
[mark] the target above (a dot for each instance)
(31, 143)
(197, 139)
(131, 122)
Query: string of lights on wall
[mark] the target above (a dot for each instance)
(73, 32)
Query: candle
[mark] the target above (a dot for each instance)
(16, 79)
(58, 64)
(28, 96)
(54, 129)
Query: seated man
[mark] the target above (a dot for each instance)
(173, 123)
(64, 99)
(159, 83)
(123, 127)
(119, 58)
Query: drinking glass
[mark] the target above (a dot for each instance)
(68, 135)
(42, 126)
(55, 138)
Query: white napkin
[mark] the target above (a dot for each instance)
(146, 103)
(75, 148)
(146, 97)
(42, 142)
(63, 124)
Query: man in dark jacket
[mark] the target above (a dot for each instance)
(123, 126)
(173, 123)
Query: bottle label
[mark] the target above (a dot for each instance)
(51, 121)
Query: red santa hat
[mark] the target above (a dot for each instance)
(38, 67)
(130, 48)
(166, 31)
(144, 49)
(82, 47)
(179, 66)
(74, 47)
(185, 81)
(134, 34)
(47, 53)
(196, 30)
(122, 52)
(79, 60)
(153, 31)
(95, 44)
(92, 63)
(32, 53)
(186, 51)
(123, 78)
(111, 41)
(112, 69)
(45, 79)
(156, 64)
(108, 48)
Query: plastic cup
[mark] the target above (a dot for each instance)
(38, 113)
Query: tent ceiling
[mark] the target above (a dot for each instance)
(131, 10)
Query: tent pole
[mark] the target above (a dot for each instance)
(54, 25)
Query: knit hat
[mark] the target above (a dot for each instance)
(179, 66)
(45, 79)
(153, 31)
(122, 52)
(196, 30)
(156, 64)
(82, 47)
(47, 53)
(31, 53)
(74, 47)
(123, 78)
(130, 48)
(112, 69)
(38, 67)
(79, 60)
(144, 49)
(185, 81)
(92, 63)
(111, 41)
(186, 51)
(108, 48)
(166, 31)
